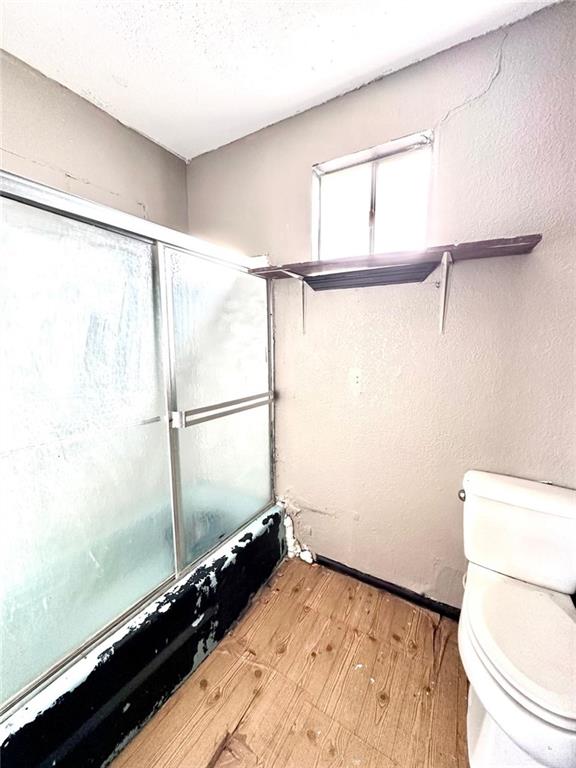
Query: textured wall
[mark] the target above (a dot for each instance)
(378, 415)
(53, 136)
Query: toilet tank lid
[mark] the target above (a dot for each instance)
(528, 494)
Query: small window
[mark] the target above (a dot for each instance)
(374, 201)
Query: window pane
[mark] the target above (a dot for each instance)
(85, 504)
(402, 189)
(225, 471)
(345, 212)
(221, 332)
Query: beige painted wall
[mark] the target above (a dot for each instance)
(51, 135)
(378, 415)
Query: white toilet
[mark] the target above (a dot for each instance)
(517, 632)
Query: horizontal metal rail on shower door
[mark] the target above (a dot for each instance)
(183, 419)
(160, 238)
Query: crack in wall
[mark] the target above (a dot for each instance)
(143, 208)
(63, 171)
(495, 74)
(321, 512)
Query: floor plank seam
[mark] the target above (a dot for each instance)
(229, 735)
(332, 717)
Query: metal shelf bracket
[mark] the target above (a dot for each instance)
(446, 267)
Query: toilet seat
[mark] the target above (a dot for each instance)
(542, 743)
(526, 637)
(498, 672)
(517, 696)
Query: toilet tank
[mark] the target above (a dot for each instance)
(521, 528)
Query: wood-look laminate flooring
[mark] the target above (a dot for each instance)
(322, 671)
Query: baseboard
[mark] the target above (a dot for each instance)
(407, 594)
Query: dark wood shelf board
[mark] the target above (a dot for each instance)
(394, 268)
(362, 278)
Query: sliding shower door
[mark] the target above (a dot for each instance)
(220, 382)
(84, 471)
(135, 410)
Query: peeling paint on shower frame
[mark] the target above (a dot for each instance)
(176, 631)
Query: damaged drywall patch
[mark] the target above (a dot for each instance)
(446, 581)
(295, 548)
(82, 718)
(301, 515)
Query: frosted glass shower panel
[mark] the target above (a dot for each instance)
(225, 474)
(79, 338)
(86, 533)
(221, 331)
(85, 524)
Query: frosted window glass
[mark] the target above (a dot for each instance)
(402, 191)
(84, 487)
(225, 473)
(221, 334)
(344, 212)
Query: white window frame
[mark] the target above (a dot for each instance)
(373, 156)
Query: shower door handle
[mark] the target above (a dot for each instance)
(183, 419)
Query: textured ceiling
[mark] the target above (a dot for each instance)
(193, 75)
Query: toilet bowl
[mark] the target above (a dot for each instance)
(517, 639)
(517, 643)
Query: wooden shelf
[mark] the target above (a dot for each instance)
(394, 268)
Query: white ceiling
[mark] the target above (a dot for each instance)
(196, 74)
